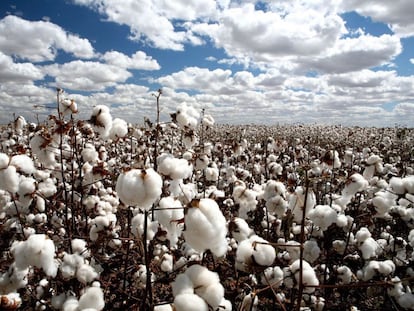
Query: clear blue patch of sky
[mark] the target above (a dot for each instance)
(354, 21)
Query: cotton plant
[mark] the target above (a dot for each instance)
(373, 166)
(198, 289)
(119, 129)
(205, 227)
(373, 268)
(187, 116)
(44, 148)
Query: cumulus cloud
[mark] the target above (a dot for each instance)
(139, 60)
(39, 40)
(86, 75)
(397, 14)
(12, 72)
(153, 21)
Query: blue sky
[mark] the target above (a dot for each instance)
(325, 61)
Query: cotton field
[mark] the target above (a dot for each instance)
(182, 215)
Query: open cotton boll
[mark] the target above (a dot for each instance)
(27, 188)
(9, 179)
(190, 138)
(68, 106)
(44, 149)
(246, 198)
(86, 273)
(250, 302)
(93, 298)
(189, 302)
(23, 163)
(89, 153)
(169, 214)
(70, 263)
(208, 120)
(408, 183)
(173, 167)
(355, 183)
(311, 251)
(38, 250)
(201, 162)
(373, 268)
(139, 187)
(206, 227)
(308, 275)
(396, 185)
(211, 173)
(272, 276)
(13, 279)
(187, 116)
(254, 250)
(138, 223)
(323, 216)
(47, 187)
(369, 248)
(119, 129)
(240, 229)
(101, 120)
(101, 223)
(383, 201)
(202, 282)
(297, 203)
(344, 274)
(71, 304)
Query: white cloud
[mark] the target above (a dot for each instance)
(352, 54)
(139, 60)
(12, 72)
(86, 75)
(39, 41)
(152, 21)
(398, 13)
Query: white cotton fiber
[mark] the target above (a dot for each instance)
(38, 250)
(101, 120)
(92, 298)
(9, 179)
(323, 216)
(254, 250)
(23, 163)
(189, 302)
(169, 214)
(119, 129)
(173, 167)
(206, 227)
(139, 187)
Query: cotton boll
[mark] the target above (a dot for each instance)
(38, 250)
(246, 198)
(169, 214)
(201, 162)
(119, 129)
(187, 116)
(174, 168)
(240, 229)
(167, 263)
(23, 164)
(67, 106)
(139, 187)
(206, 227)
(311, 251)
(166, 307)
(208, 120)
(101, 120)
(92, 298)
(69, 264)
(323, 216)
(369, 248)
(297, 202)
(211, 173)
(85, 273)
(308, 275)
(27, 188)
(44, 149)
(13, 279)
(272, 276)
(254, 250)
(344, 274)
(182, 285)
(250, 302)
(71, 304)
(89, 153)
(47, 187)
(9, 179)
(397, 185)
(355, 183)
(408, 183)
(189, 302)
(137, 226)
